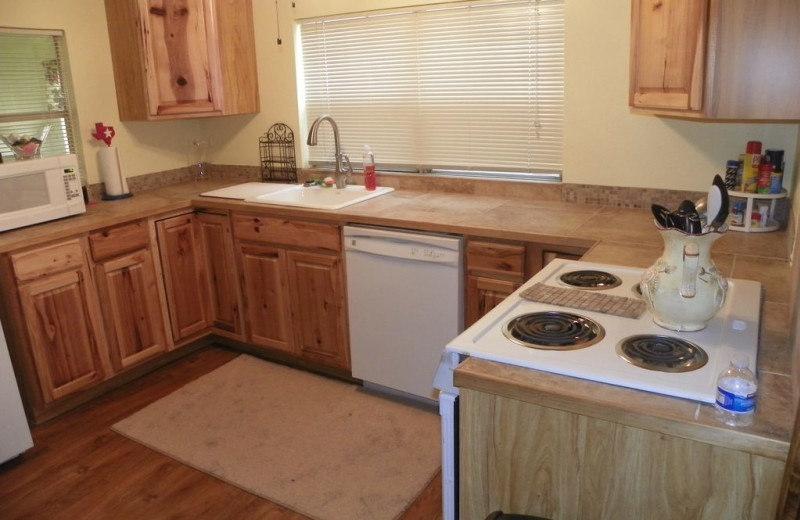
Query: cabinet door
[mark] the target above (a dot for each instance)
(484, 294)
(318, 307)
(64, 323)
(266, 296)
(225, 298)
(134, 319)
(668, 54)
(184, 275)
(181, 57)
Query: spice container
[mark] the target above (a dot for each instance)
(764, 178)
(731, 175)
(750, 160)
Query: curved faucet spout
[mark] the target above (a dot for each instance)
(343, 171)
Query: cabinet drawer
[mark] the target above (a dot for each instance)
(45, 261)
(119, 240)
(491, 257)
(287, 232)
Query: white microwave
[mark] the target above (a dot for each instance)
(38, 190)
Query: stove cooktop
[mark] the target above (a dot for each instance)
(734, 330)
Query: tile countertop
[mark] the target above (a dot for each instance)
(612, 235)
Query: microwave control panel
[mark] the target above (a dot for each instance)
(72, 183)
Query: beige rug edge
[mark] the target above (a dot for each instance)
(253, 492)
(292, 505)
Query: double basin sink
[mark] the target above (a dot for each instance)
(298, 195)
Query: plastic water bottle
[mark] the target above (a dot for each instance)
(736, 393)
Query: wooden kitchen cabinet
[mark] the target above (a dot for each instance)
(497, 269)
(317, 289)
(494, 271)
(225, 299)
(128, 287)
(266, 293)
(293, 280)
(183, 58)
(538, 460)
(62, 317)
(715, 59)
(184, 271)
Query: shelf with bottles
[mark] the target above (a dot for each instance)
(755, 207)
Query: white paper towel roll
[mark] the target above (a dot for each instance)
(111, 170)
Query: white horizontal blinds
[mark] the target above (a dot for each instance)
(462, 86)
(34, 89)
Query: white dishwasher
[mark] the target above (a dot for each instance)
(405, 296)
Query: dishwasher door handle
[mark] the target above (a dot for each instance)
(405, 249)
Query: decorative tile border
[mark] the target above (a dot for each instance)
(617, 196)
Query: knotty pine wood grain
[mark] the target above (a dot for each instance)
(532, 459)
(79, 468)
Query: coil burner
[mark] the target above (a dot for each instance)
(590, 279)
(553, 330)
(661, 353)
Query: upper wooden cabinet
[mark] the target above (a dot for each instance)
(183, 58)
(716, 59)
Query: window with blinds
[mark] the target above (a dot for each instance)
(464, 88)
(35, 90)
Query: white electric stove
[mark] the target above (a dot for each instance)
(734, 330)
(684, 364)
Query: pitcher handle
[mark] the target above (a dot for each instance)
(691, 262)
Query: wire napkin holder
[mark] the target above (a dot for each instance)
(277, 154)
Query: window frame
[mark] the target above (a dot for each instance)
(65, 118)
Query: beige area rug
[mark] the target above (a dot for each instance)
(323, 448)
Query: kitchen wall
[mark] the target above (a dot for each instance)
(604, 144)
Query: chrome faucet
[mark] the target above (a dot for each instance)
(343, 168)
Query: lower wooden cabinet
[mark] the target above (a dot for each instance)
(266, 293)
(129, 289)
(484, 294)
(294, 290)
(183, 266)
(496, 269)
(225, 300)
(132, 308)
(317, 296)
(537, 460)
(62, 319)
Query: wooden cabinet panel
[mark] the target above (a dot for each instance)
(716, 59)
(668, 54)
(183, 267)
(292, 233)
(318, 307)
(496, 258)
(266, 294)
(484, 294)
(132, 308)
(183, 58)
(119, 240)
(535, 460)
(225, 300)
(48, 260)
(65, 329)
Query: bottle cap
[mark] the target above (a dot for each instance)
(740, 361)
(732, 164)
(754, 147)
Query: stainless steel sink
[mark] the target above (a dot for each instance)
(318, 197)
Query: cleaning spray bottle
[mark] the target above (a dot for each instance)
(369, 169)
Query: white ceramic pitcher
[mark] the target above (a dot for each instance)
(684, 289)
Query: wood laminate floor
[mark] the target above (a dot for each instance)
(80, 469)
